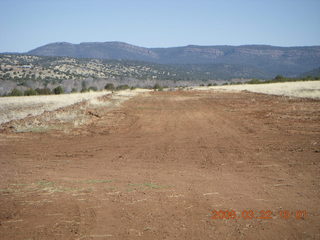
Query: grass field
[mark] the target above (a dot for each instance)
(306, 89)
(12, 108)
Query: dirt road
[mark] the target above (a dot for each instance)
(160, 164)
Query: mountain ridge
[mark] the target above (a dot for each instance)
(273, 60)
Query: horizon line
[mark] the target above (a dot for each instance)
(188, 45)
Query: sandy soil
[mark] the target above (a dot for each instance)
(159, 164)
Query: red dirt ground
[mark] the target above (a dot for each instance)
(156, 168)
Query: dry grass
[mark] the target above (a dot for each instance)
(308, 89)
(14, 108)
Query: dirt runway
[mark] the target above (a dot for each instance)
(162, 165)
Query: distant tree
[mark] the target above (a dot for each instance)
(109, 86)
(84, 89)
(157, 87)
(16, 92)
(93, 88)
(254, 81)
(279, 78)
(6, 76)
(309, 77)
(122, 87)
(30, 92)
(58, 90)
(43, 91)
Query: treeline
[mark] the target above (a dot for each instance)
(60, 90)
(111, 87)
(280, 78)
(156, 87)
(277, 79)
(37, 91)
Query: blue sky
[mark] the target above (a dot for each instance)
(27, 24)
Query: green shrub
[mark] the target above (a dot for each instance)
(254, 81)
(16, 92)
(30, 92)
(93, 89)
(109, 86)
(84, 89)
(58, 90)
(43, 91)
(123, 87)
(279, 78)
(157, 87)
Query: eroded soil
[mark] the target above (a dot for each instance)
(159, 164)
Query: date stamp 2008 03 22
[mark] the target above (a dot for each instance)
(262, 214)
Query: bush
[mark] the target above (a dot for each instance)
(93, 89)
(279, 78)
(254, 81)
(109, 86)
(84, 85)
(84, 90)
(43, 91)
(123, 87)
(157, 87)
(16, 92)
(58, 90)
(30, 92)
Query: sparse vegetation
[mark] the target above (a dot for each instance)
(280, 78)
(84, 89)
(58, 90)
(43, 91)
(310, 89)
(19, 108)
(109, 86)
(23, 68)
(123, 87)
(93, 89)
(16, 92)
(158, 87)
(30, 92)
